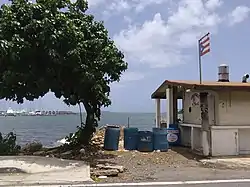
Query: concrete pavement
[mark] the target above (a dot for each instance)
(31, 170)
(207, 183)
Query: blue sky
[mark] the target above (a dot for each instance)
(159, 40)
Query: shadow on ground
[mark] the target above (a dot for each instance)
(187, 153)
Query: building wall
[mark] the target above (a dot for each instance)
(244, 139)
(234, 108)
(185, 136)
(192, 111)
(232, 135)
(197, 140)
(229, 117)
(224, 142)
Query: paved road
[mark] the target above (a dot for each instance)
(163, 184)
(206, 185)
(168, 184)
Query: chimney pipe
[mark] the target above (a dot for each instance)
(244, 78)
(223, 73)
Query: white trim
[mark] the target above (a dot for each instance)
(217, 126)
(158, 113)
(231, 127)
(191, 125)
(192, 138)
(151, 183)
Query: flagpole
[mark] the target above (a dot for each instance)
(200, 68)
(200, 61)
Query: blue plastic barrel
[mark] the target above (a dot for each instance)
(173, 125)
(173, 136)
(111, 138)
(130, 138)
(145, 141)
(160, 139)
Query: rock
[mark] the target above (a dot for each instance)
(52, 151)
(32, 147)
(67, 154)
(116, 167)
(39, 153)
(107, 172)
(82, 151)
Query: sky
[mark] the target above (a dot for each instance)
(159, 40)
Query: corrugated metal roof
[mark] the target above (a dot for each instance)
(214, 85)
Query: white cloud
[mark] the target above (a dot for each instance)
(93, 3)
(132, 76)
(114, 7)
(238, 15)
(128, 19)
(160, 43)
(128, 76)
(213, 4)
(140, 5)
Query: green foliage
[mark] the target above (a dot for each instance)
(181, 111)
(8, 144)
(53, 45)
(74, 138)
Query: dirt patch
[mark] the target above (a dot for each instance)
(132, 166)
(142, 166)
(138, 166)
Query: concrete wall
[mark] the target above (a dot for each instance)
(234, 108)
(197, 140)
(191, 136)
(192, 111)
(244, 139)
(230, 140)
(229, 117)
(229, 108)
(224, 142)
(185, 136)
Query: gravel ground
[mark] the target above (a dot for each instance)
(143, 166)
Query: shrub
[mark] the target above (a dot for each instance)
(8, 144)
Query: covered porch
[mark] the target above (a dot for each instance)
(191, 133)
(199, 113)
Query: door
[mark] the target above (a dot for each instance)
(224, 142)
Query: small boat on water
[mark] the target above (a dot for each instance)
(10, 112)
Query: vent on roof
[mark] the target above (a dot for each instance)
(223, 73)
(244, 78)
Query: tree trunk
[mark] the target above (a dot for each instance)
(89, 128)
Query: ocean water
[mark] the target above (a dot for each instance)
(50, 130)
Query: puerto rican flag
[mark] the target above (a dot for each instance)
(204, 45)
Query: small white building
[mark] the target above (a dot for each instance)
(216, 115)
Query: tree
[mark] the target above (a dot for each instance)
(54, 45)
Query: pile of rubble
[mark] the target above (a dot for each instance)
(106, 170)
(98, 138)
